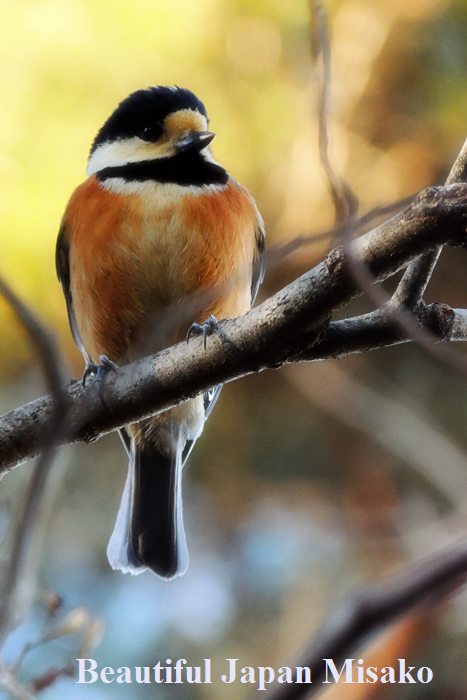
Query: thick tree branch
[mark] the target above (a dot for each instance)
(371, 608)
(277, 331)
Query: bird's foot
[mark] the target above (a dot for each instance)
(100, 370)
(210, 326)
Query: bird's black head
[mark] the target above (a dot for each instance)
(142, 114)
(159, 134)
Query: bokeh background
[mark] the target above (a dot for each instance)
(307, 481)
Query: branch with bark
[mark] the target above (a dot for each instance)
(295, 324)
(369, 609)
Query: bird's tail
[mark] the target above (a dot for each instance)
(149, 532)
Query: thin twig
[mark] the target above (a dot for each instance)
(338, 189)
(24, 533)
(275, 255)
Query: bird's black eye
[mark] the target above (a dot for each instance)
(150, 133)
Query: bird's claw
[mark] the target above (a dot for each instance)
(98, 371)
(210, 326)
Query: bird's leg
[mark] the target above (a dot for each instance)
(98, 371)
(210, 326)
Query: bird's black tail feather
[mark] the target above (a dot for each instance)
(149, 532)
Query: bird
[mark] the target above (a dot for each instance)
(158, 243)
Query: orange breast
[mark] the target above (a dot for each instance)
(143, 267)
(219, 231)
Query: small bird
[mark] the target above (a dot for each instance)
(156, 244)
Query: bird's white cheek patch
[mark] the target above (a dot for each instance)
(124, 151)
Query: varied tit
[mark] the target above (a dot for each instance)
(158, 241)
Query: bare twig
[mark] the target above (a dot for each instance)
(413, 284)
(42, 342)
(370, 609)
(50, 677)
(415, 279)
(340, 194)
(24, 534)
(275, 255)
(405, 637)
(377, 330)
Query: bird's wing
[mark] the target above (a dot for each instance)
(62, 265)
(259, 260)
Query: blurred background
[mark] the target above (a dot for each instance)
(310, 480)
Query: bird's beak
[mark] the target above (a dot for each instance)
(196, 140)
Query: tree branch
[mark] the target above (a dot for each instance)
(408, 295)
(415, 279)
(377, 330)
(277, 331)
(398, 309)
(370, 609)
